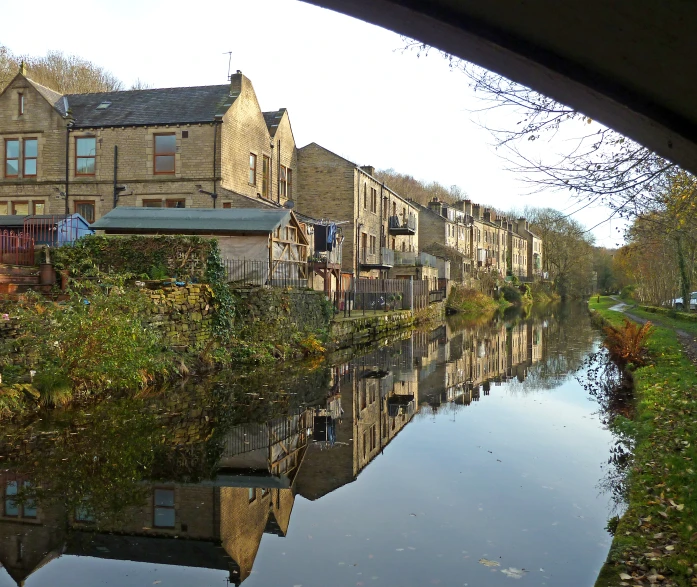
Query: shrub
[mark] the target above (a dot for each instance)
(627, 344)
(511, 294)
(93, 342)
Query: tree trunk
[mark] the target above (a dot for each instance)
(685, 274)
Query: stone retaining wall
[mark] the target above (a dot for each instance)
(184, 314)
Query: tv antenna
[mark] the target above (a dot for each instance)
(229, 62)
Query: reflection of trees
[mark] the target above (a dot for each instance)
(567, 338)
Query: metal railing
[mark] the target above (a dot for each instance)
(54, 231)
(243, 272)
(382, 258)
(414, 259)
(408, 223)
(365, 295)
(435, 296)
(16, 248)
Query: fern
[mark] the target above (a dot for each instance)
(627, 344)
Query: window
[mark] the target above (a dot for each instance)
(283, 182)
(39, 207)
(12, 507)
(373, 200)
(86, 210)
(264, 491)
(373, 242)
(82, 512)
(152, 203)
(4, 208)
(290, 183)
(31, 152)
(165, 150)
(163, 512)
(365, 196)
(251, 494)
(11, 157)
(227, 205)
(21, 104)
(175, 203)
(364, 242)
(85, 155)
(20, 208)
(252, 169)
(265, 174)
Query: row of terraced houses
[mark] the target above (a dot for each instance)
(213, 147)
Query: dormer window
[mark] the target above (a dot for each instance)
(21, 104)
(104, 105)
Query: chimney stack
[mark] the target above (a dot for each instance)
(369, 169)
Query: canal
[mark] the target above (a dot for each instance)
(461, 455)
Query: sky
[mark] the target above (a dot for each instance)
(347, 84)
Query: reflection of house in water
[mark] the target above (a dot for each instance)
(215, 524)
(372, 399)
(30, 537)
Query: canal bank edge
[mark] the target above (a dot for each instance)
(656, 537)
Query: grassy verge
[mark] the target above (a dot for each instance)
(473, 303)
(656, 539)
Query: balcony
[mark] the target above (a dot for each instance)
(414, 259)
(384, 259)
(402, 226)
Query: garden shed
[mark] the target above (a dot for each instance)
(258, 246)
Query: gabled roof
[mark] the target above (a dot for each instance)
(54, 98)
(273, 119)
(150, 107)
(193, 220)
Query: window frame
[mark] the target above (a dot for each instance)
(253, 164)
(289, 181)
(14, 207)
(25, 158)
(373, 200)
(6, 499)
(155, 507)
(151, 201)
(266, 176)
(169, 201)
(93, 157)
(283, 182)
(21, 104)
(34, 204)
(77, 203)
(17, 159)
(172, 154)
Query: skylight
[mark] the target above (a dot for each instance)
(104, 105)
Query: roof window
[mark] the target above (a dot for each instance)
(104, 105)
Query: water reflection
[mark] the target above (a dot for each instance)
(195, 477)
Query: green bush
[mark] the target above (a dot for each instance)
(95, 341)
(511, 294)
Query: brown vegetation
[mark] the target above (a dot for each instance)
(627, 344)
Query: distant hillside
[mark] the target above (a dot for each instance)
(409, 187)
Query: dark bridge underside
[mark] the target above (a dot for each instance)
(631, 64)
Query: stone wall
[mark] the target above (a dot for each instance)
(184, 314)
(304, 309)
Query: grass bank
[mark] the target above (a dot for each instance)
(656, 539)
(463, 300)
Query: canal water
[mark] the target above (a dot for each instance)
(463, 455)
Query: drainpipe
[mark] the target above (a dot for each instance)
(215, 158)
(278, 157)
(67, 166)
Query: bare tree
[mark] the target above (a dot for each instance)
(67, 74)
(598, 165)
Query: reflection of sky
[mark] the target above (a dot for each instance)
(511, 478)
(85, 571)
(538, 508)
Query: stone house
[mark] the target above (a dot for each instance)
(206, 146)
(517, 253)
(533, 249)
(376, 220)
(445, 224)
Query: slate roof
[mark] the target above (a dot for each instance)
(273, 119)
(150, 107)
(193, 220)
(53, 97)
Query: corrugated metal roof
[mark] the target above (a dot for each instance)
(193, 220)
